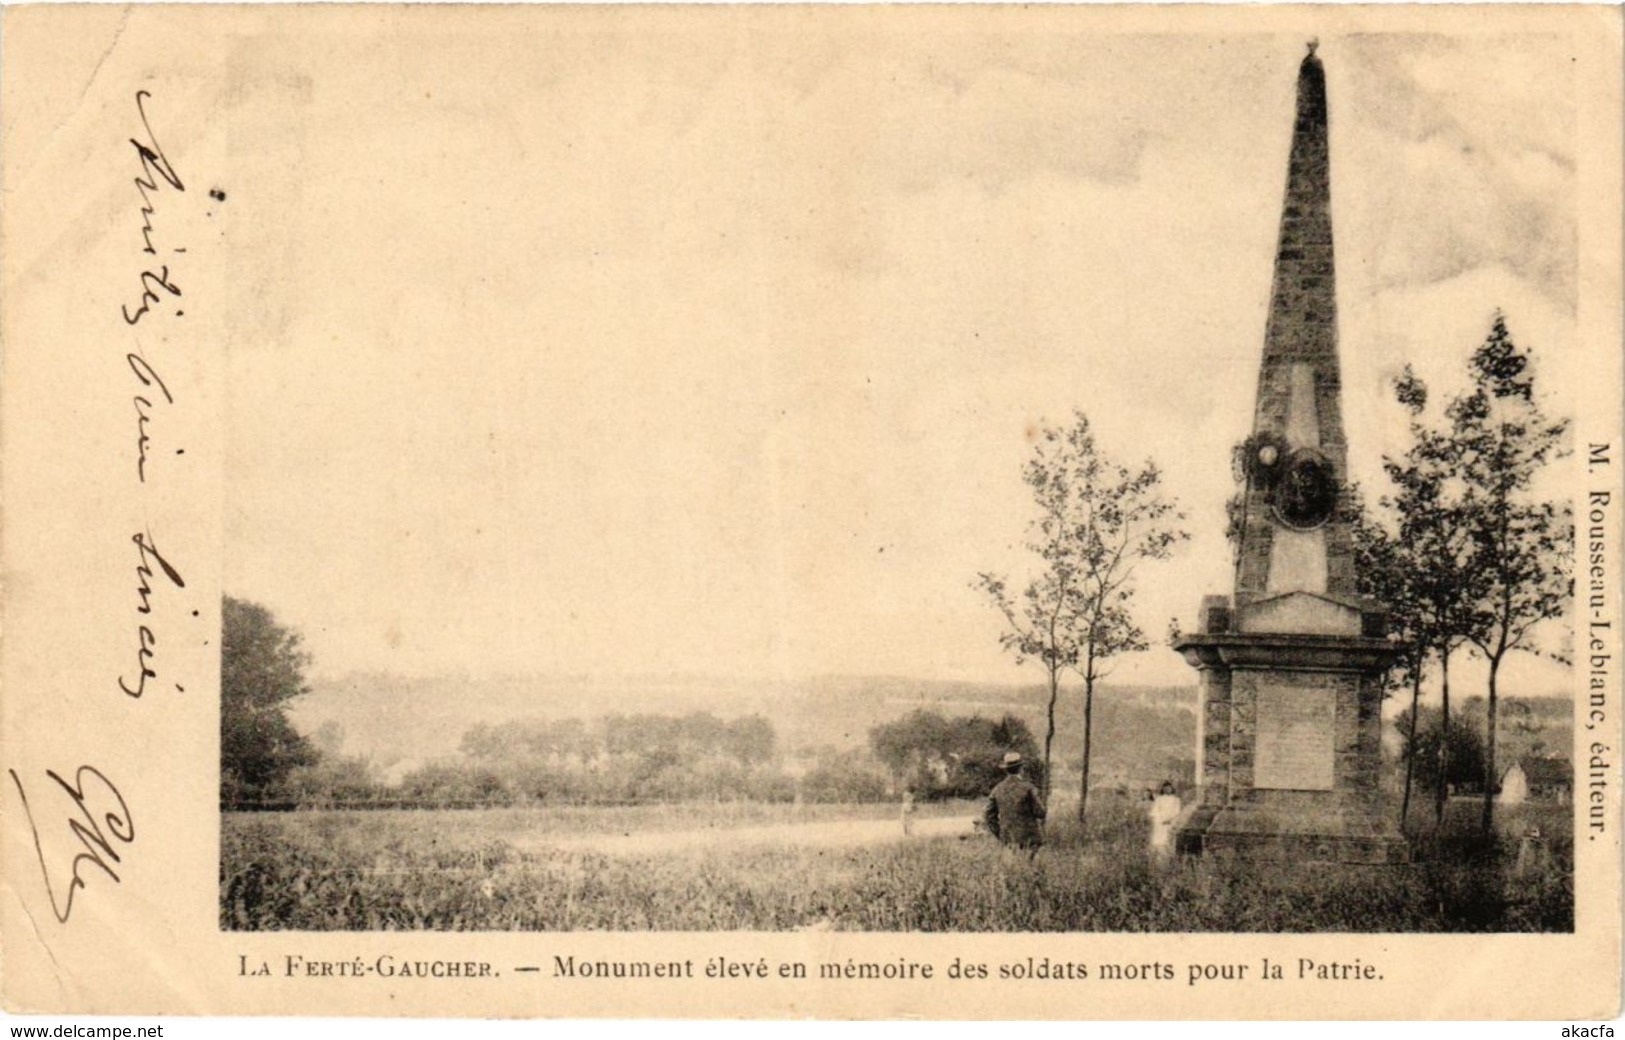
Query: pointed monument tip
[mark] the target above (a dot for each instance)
(1312, 74)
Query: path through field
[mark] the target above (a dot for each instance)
(831, 834)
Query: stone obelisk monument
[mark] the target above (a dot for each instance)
(1290, 667)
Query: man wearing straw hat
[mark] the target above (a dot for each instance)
(1015, 810)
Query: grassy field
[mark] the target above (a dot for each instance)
(492, 870)
(464, 826)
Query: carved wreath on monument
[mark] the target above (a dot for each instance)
(1301, 485)
(1305, 494)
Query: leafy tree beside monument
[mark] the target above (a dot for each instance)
(1385, 576)
(1096, 522)
(1522, 545)
(1422, 570)
(262, 669)
(1468, 553)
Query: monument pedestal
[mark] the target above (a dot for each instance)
(1289, 745)
(1297, 838)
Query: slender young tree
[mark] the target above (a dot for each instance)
(1385, 575)
(1097, 521)
(1522, 545)
(1419, 562)
(1043, 623)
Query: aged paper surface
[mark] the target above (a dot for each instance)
(566, 377)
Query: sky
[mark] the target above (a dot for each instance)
(713, 347)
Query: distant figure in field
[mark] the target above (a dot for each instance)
(1164, 810)
(908, 811)
(1015, 809)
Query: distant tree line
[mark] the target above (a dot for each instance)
(940, 757)
(616, 759)
(653, 758)
(661, 739)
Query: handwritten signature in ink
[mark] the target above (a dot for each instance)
(100, 832)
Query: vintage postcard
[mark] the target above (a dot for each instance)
(812, 511)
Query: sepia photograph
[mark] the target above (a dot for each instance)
(791, 542)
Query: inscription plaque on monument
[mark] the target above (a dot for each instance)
(1294, 742)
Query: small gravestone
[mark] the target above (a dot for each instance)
(1290, 666)
(1534, 855)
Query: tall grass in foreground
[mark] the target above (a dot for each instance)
(337, 871)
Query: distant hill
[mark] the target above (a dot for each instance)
(392, 718)
(1141, 732)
